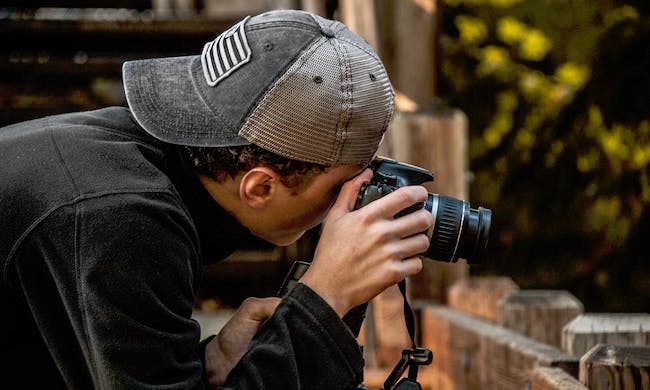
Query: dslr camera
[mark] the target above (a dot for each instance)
(458, 231)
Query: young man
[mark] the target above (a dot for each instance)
(109, 215)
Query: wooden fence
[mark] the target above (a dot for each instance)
(493, 335)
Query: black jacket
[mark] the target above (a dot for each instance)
(104, 229)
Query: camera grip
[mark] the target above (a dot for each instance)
(298, 269)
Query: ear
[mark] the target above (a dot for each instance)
(258, 186)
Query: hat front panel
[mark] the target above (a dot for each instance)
(300, 117)
(274, 48)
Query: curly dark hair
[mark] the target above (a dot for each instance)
(220, 162)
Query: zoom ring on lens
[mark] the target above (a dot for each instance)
(445, 235)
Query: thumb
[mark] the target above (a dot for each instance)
(259, 309)
(348, 195)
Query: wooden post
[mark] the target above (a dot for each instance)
(360, 17)
(423, 139)
(540, 314)
(470, 353)
(391, 335)
(587, 330)
(550, 378)
(239, 9)
(408, 33)
(479, 295)
(317, 7)
(436, 141)
(616, 367)
(404, 35)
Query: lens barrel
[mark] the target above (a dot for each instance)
(458, 231)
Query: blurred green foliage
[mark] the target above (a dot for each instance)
(557, 95)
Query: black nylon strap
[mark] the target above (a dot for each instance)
(409, 317)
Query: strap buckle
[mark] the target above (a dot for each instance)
(413, 359)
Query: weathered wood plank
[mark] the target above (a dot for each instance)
(616, 367)
(391, 335)
(437, 142)
(317, 7)
(587, 330)
(359, 16)
(540, 314)
(433, 140)
(552, 378)
(479, 295)
(470, 353)
(431, 133)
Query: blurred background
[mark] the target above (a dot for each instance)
(554, 96)
(557, 96)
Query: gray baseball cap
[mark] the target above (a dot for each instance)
(291, 82)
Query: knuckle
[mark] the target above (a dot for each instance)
(382, 235)
(424, 193)
(415, 194)
(365, 217)
(394, 273)
(420, 194)
(404, 195)
(425, 218)
(423, 242)
(418, 265)
(410, 194)
(250, 301)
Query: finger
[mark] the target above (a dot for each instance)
(397, 201)
(412, 265)
(411, 246)
(407, 267)
(416, 222)
(348, 195)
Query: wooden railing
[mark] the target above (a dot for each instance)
(493, 335)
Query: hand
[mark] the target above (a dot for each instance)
(224, 351)
(362, 252)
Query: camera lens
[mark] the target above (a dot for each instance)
(458, 231)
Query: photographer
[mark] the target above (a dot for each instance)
(109, 215)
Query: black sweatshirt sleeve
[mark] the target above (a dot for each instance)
(304, 345)
(111, 280)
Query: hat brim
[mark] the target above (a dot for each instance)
(163, 97)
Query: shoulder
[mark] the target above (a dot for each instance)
(78, 160)
(120, 230)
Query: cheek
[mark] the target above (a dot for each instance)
(312, 214)
(325, 204)
(317, 211)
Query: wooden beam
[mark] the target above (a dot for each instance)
(317, 7)
(408, 33)
(359, 16)
(616, 367)
(470, 353)
(436, 141)
(540, 314)
(552, 378)
(479, 295)
(587, 330)
(391, 335)
(425, 139)
(403, 35)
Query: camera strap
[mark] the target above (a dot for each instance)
(412, 358)
(409, 317)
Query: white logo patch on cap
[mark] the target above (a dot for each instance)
(225, 54)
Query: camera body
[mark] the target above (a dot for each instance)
(458, 230)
